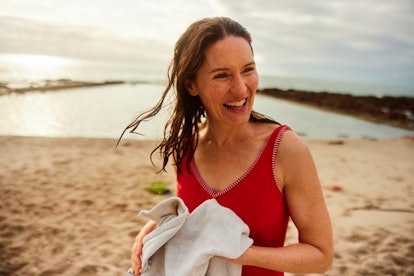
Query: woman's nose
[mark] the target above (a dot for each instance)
(238, 86)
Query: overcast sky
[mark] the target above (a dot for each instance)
(363, 40)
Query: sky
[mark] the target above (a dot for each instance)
(364, 41)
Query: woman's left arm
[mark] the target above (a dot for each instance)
(297, 175)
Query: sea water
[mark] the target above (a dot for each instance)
(104, 111)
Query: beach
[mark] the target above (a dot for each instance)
(74, 75)
(69, 205)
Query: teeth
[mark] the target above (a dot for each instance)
(236, 104)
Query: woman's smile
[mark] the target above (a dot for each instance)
(236, 105)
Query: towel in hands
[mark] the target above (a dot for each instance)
(192, 244)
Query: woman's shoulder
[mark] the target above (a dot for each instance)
(292, 146)
(293, 152)
(264, 129)
(268, 129)
(291, 140)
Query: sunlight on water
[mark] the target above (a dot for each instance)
(85, 112)
(21, 70)
(105, 111)
(43, 119)
(33, 114)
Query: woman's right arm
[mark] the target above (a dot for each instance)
(136, 250)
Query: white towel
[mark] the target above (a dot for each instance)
(190, 244)
(170, 216)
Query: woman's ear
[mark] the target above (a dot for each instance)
(189, 85)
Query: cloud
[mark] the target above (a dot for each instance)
(29, 36)
(336, 39)
(365, 40)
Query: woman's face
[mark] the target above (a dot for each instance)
(227, 81)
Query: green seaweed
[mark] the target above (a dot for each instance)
(158, 187)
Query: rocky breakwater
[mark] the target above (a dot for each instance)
(395, 111)
(48, 85)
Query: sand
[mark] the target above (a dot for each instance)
(68, 205)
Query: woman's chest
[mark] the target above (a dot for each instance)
(219, 170)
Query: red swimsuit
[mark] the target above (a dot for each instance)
(254, 197)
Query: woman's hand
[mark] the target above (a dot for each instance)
(136, 250)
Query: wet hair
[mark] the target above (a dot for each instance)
(181, 132)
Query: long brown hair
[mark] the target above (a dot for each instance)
(182, 129)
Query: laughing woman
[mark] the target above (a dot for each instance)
(249, 163)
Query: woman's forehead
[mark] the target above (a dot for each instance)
(228, 49)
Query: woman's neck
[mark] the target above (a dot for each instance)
(223, 136)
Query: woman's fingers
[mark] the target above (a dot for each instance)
(136, 250)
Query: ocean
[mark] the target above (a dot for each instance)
(103, 112)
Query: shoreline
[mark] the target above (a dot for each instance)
(74, 210)
(51, 85)
(393, 111)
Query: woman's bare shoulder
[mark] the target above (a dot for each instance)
(264, 129)
(292, 142)
(293, 153)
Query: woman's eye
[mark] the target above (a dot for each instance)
(221, 76)
(248, 69)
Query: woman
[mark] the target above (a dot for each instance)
(222, 149)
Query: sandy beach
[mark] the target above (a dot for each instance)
(69, 205)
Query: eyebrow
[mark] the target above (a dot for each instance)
(224, 69)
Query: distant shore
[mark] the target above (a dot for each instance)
(49, 85)
(394, 111)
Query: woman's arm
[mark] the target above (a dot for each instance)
(297, 176)
(136, 250)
